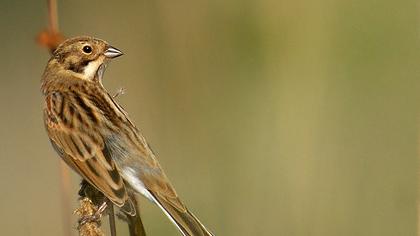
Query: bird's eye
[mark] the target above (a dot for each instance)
(87, 49)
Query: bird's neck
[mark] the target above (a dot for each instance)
(57, 78)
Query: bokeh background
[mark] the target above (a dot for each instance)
(270, 117)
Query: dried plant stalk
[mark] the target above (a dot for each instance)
(92, 227)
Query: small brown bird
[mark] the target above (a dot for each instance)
(95, 137)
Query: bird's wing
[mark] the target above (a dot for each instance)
(142, 171)
(144, 174)
(69, 122)
(131, 151)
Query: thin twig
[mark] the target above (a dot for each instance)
(65, 199)
(135, 224)
(51, 37)
(111, 216)
(53, 16)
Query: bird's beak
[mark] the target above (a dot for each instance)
(112, 52)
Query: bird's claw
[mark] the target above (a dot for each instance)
(95, 217)
(90, 219)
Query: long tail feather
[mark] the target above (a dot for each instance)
(184, 220)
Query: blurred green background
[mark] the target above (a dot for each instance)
(270, 117)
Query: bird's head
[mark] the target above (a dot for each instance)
(86, 57)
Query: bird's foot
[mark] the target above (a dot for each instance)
(95, 217)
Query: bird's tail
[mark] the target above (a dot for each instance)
(183, 219)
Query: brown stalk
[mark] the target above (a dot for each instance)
(51, 37)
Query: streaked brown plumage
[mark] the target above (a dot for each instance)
(95, 137)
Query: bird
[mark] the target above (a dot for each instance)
(94, 135)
